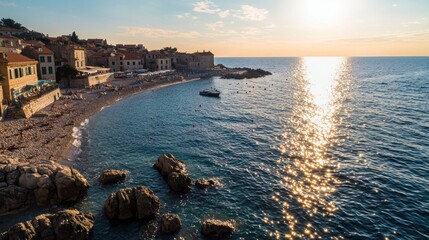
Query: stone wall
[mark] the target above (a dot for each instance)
(36, 105)
(90, 80)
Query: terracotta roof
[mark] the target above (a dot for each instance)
(34, 42)
(43, 50)
(130, 55)
(16, 57)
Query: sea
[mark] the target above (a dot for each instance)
(324, 148)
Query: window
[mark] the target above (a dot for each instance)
(50, 70)
(49, 58)
(139, 63)
(10, 74)
(16, 73)
(43, 70)
(21, 72)
(42, 58)
(166, 61)
(121, 63)
(162, 67)
(161, 61)
(128, 63)
(113, 63)
(29, 70)
(134, 63)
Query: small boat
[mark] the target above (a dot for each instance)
(210, 93)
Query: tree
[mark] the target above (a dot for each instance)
(74, 38)
(66, 72)
(170, 50)
(8, 22)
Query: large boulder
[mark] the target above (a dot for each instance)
(22, 230)
(170, 223)
(13, 198)
(112, 176)
(179, 182)
(139, 202)
(23, 184)
(70, 185)
(214, 228)
(72, 224)
(29, 180)
(167, 164)
(64, 225)
(175, 171)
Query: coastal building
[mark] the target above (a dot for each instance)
(22, 91)
(18, 71)
(45, 57)
(11, 44)
(205, 60)
(98, 58)
(123, 61)
(97, 42)
(163, 64)
(72, 55)
(199, 61)
(8, 31)
(157, 60)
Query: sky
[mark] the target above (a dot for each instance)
(239, 28)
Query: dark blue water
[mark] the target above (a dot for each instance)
(324, 148)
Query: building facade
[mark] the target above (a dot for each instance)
(123, 61)
(45, 57)
(18, 71)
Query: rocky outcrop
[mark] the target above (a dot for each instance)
(22, 184)
(112, 176)
(244, 73)
(217, 229)
(167, 164)
(170, 223)
(63, 225)
(175, 171)
(139, 202)
(209, 182)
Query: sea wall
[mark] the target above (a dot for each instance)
(36, 105)
(90, 80)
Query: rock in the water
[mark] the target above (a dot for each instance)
(205, 183)
(170, 223)
(70, 185)
(179, 182)
(22, 230)
(217, 229)
(175, 171)
(72, 224)
(112, 176)
(139, 202)
(23, 184)
(167, 164)
(64, 225)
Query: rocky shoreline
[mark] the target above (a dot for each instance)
(31, 151)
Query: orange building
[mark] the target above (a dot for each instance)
(17, 72)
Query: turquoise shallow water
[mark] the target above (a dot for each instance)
(327, 148)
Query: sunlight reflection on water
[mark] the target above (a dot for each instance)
(304, 166)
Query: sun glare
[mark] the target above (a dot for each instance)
(321, 14)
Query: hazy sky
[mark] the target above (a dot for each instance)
(239, 27)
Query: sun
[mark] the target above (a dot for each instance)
(321, 13)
